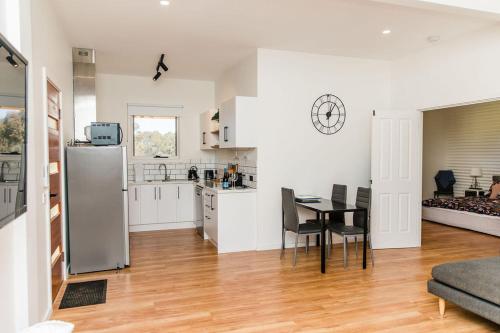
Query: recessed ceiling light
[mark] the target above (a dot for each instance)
(433, 39)
(386, 31)
(164, 2)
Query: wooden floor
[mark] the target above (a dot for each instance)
(177, 283)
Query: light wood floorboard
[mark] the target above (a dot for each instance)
(177, 283)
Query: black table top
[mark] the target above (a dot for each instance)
(329, 206)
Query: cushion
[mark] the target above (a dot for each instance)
(495, 191)
(476, 277)
(51, 326)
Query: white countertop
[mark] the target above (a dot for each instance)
(201, 182)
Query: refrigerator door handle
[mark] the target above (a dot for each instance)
(124, 169)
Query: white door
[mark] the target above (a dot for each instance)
(134, 205)
(149, 204)
(396, 179)
(185, 203)
(167, 203)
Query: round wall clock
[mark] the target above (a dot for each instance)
(328, 114)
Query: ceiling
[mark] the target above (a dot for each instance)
(202, 38)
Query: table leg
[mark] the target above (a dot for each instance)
(323, 243)
(317, 236)
(365, 231)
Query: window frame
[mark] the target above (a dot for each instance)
(148, 110)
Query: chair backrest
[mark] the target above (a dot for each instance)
(363, 199)
(289, 209)
(445, 179)
(339, 194)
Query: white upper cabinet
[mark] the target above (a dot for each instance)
(209, 135)
(237, 123)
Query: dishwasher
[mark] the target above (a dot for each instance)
(198, 201)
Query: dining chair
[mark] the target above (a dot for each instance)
(363, 199)
(339, 194)
(291, 222)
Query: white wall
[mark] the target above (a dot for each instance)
(459, 139)
(434, 149)
(115, 91)
(27, 286)
(462, 71)
(239, 80)
(291, 152)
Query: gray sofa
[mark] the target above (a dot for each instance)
(473, 285)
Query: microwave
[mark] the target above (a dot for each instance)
(105, 134)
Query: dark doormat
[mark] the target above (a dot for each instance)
(84, 293)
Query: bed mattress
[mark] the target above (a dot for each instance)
(478, 205)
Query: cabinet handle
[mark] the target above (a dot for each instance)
(225, 133)
(208, 218)
(135, 190)
(155, 193)
(211, 206)
(159, 192)
(4, 195)
(10, 196)
(204, 138)
(178, 193)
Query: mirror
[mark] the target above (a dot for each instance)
(12, 133)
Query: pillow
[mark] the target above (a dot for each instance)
(495, 191)
(51, 326)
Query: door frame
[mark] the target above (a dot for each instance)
(46, 183)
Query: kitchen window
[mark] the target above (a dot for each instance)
(155, 136)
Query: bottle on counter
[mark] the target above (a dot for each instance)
(225, 180)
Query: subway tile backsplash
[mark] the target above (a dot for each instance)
(179, 169)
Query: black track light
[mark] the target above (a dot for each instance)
(11, 60)
(160, 65)
(157, 76)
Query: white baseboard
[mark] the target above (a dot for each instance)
(161, 226)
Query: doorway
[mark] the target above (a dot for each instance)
(54, 172)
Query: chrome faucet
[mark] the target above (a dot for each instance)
(165, 168)
(2, 172)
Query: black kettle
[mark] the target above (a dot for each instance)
(193, 173)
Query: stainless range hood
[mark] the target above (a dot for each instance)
(84, 96)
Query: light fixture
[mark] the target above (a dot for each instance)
(11, 60)
(160, 65)
(164, 2)
(386, 31)
(475, 173)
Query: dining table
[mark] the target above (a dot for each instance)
(326, 206)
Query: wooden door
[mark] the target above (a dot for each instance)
(397, 179)
(56, 248)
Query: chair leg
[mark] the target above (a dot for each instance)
(356, 245)
(442, 307)
(295, 254)
(369, 238)
(283, 234)
(307, 244)
(345, 251)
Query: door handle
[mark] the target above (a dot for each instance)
(225, 134)
(52, 195)
(204, 138)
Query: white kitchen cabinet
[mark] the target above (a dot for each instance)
(237, 123)
(230, 220)
(185, 202)
(134, 205)
(149, 204)
(209, 136)
(160, 204)
(167, 203)
(8, 194)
